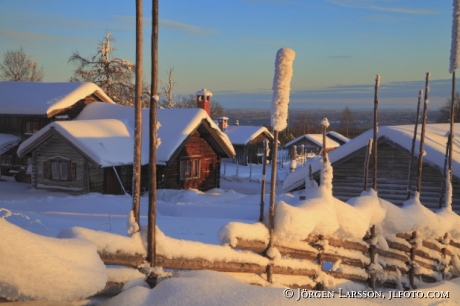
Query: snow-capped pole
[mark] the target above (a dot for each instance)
(454, 63)
(281, 88)
(454, 51)
(279, 113)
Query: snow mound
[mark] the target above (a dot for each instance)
(37, 267)
(201, 288)
(108, 242)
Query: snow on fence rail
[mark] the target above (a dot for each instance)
(406, 261)
(403, 261)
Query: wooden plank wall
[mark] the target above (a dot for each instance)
(55, 146)
(16, 124)
(392, 176)
(209, 172)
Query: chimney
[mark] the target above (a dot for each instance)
(203, 100)
(223, 123)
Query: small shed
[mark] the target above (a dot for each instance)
(312, 144)
(27, 107)
(248, 142)
(393, 151)
(94, 154)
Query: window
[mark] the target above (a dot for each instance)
(189, 169)
(6, 160)
(31, 127)
(59, 171)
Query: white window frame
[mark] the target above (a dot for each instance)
(190, 168)
(59, 171)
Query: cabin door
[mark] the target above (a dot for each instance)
(111, 184)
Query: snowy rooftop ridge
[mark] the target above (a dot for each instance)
(317, 139)
(241, 135)
(338, 136)
(8, 141)
(42, 98)
(105, 133)
(435, 146)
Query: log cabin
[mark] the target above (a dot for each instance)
(27, 107)
(393, 152)
(94, 153)
(248, 141)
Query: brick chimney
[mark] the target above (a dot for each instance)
(223, 123)
(203, 100)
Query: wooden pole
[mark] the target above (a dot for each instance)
(151, 252)
(324, 144)
(452, 121)
(411, 161)
(366, 164)
(412, 261)
(264, 171)
(376, 105)
(444, 173)
(422, 136)
(372, 252)
(137, 116)
(271, 219)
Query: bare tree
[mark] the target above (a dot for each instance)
(166, 89)
(445, 110)
(347, 121)
(113, 75)
(17, 66)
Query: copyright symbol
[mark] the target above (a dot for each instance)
(288, 293)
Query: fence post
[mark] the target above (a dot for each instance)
(264, 170)
(303, 154)
(412, 261)
(366, 163)
(372, 253)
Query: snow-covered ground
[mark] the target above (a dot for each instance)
(184, 214)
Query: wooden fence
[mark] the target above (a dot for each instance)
(399, 262)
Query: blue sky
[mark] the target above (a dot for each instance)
(229, 46)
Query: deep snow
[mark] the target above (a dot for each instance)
(190, 215)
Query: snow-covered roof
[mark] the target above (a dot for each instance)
(241, 135)
(7, 142)
(338, 136)
(105, 133)
(435, 148)
(317, 139)
(40, 98)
